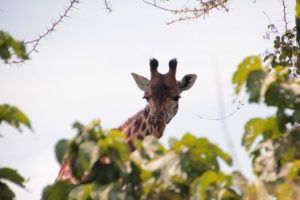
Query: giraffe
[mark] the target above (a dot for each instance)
(162, 93)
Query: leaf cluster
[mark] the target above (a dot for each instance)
(13, 116)
(12, 176)
(189, 169)
(273, 142)
(10, 47)
(285, 48)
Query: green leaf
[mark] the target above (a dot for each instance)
(294, 169)
(296, 116)
(283, 95)
(81, 192)
(298, 9)
(248, 65)
(12, 175)
(5, 192)
(61, 149)
(209, 181)
(229, 194)
(88, 154)
(58, 191)
(282, 119)
(108, 192)
(254, 84)
(13, 116)
(10, 46)
(259, 126)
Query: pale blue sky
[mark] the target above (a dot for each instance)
(82, 72)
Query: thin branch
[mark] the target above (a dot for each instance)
(190, 13)
(225, 128)
(285, 15)
(35, 42)
(238, 107)
(108, 6)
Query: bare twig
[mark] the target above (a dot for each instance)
(285, 15)
(224, 124)
(107, 6)
(271, 27)
(223, 117)
(190, 13)
(268, 17)
(237, 108)
(35, 42)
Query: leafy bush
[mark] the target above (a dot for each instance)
(273, 142)
(189, 169)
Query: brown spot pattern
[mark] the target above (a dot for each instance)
(137, 124)
(146, 113)
(148, 132)
(140, 137)
(128, 132)
(144, 126)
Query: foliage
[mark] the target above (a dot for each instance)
(273, 142)
(285, 47)
(298, 8)
(10, 47)
(9, 175)
(13, 116)
(189, 169)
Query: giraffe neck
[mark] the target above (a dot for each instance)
(141, 125)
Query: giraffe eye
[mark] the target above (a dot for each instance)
(176, 98)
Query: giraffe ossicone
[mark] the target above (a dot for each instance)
(162, 93)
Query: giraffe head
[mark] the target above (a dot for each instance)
(162, 92)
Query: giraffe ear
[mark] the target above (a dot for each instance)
(141, 81)
(187, 81)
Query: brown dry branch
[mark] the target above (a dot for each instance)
(189, 13)
(35, 42)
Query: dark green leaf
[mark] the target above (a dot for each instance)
(13, 116)
(61, 149)
(5, 192)
(12, 175)
(254, 84)
(81, 192)
(296, 116)
(58, 191)
(10, 46)
(249, 64)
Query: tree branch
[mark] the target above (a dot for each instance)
(285, 15)
(35, 42)
(189, 13)
(107, 6)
